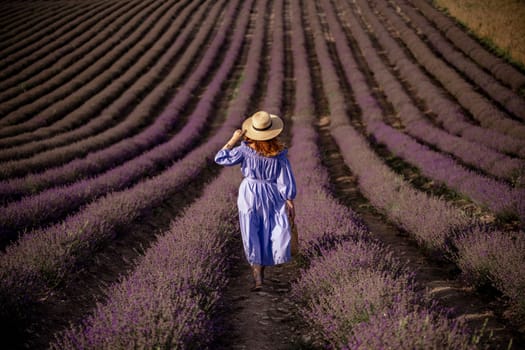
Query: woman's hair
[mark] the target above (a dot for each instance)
(269, 148)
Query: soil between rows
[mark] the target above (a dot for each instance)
(441, 280)
(72, 302)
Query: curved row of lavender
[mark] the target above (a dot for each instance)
(38, 261)
(72, 93)
(354, 294)
(11, 13)
(497, 66)
(435, 223)
(414, 122)
(88, 46)
(168, 301)
(498, 196)
(447, 113)
(57, 202)
(86, 69)
(480, 107)
(135, 134)
(507, 98)
(32, 25)
(32, 49)
(46, 13)
(184, 300)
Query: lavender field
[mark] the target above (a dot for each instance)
(118, 231)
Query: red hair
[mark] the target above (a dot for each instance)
(269, 148)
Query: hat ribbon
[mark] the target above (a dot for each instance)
(263, 129)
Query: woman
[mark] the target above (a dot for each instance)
(266, 193)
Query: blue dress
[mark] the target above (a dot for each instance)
(268, 182)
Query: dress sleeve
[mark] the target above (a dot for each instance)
(286, 180)
(229, 157)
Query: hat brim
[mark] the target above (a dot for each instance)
(263, 135)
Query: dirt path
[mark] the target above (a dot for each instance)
(441, 280)
(261, 320)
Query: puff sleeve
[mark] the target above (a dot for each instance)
(286, 179)
(229, 157)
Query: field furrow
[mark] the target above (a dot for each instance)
(379, 184)
(344, 247)
(165, 125)
(25, 17)
(66, 199)
(497, 196)
(413, 121)
(112, 211)
(496, 65)
(405, 133)
(45, 76)
(505, 97)
(480, 108)
(14, 63)
(447, 113)
(92, 116)
(71, 94)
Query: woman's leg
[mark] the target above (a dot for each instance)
(257, 271)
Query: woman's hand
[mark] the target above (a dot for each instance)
(237, 135)
(290, 208)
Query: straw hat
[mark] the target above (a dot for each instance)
(262, 126)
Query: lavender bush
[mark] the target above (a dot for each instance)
(54, 203)
(106, 107)
(414, 122)
(169, 299)
(412, 327)
(37, 262)
(71, 95)
(480, 108)
(497, 66)
(498, 196)
(90, 46)
(495, 258)
(434, 222)
(448, 113)
(352, 279)
(496, 90)
(141, 115)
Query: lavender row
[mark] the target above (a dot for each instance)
(495, 258)
(82, 123)
(414, 122)
(480, 108)
(41, 78)
(55, 203)
(341, 290)
(498, 196)
(39, 260)
(447, 113)
(13, 12)
(122, 133)
(30, 21)
(71, 94)
(273, 98)
(183, 300)
(497, 66)
(358, 296)
(497, 91)
(39, 49)
(434, 223)
(168, 300)
(27, 34)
